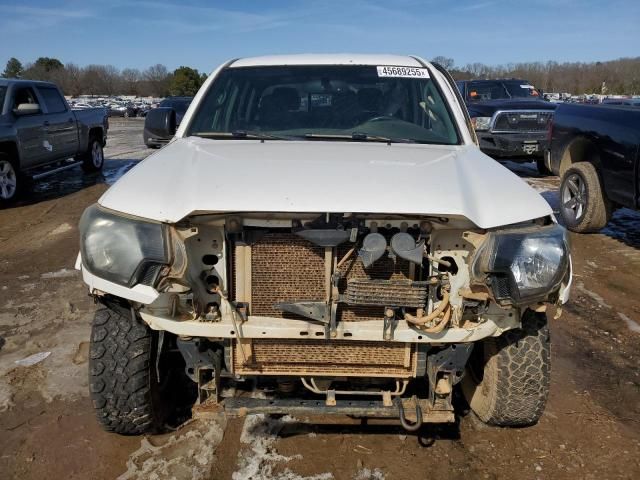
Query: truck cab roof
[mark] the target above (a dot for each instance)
(5, 82)
(327, 59)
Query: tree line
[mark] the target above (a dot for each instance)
(155, 81)
(621, 76)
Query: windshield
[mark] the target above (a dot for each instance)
(3, 91)
(498, 89)
(356, 103)
(180, 106)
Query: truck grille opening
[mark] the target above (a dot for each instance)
(324, 358)
(522, 121)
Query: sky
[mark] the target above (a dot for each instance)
(203, 34)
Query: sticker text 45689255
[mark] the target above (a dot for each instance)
(402, 72)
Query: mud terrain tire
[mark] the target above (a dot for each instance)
(507, 378)
(122, 373)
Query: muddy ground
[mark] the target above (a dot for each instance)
(591, 427)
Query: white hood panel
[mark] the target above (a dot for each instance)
(193, 175)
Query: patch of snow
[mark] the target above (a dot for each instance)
(62, 228)
(23, 277)
(633, 325)
(62, 273)
(187, 456)
(366, 474)
(32, 359)
(260, 433)
(593, 295)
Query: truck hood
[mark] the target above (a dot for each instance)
(197, 175)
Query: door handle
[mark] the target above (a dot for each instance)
(46, 123)
(70, 120)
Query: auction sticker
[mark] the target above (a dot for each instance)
(402, 72)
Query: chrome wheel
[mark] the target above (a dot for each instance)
(8, 180)
(97, 155)
(574, 197)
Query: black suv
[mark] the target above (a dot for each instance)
(510, 117)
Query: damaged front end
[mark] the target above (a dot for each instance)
(358, 314)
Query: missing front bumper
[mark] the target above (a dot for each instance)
(240, 407)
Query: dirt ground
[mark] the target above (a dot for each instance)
(590, 429)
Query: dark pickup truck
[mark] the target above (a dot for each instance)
(595, 149)
(39, 133)
(155, 123)
(510, 118)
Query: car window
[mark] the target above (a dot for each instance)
(345, 101)
(180, 106)
(23, 95)
(52, 99)
(3, 93)
(498, 89)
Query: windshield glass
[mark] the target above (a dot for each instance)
(498, 89)
(3, 91)
(325, 102)
(180, 106)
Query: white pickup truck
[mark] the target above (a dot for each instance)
(323, 228)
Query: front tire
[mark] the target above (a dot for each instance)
(10, 180)
(125, 391)
(507, 378)
(93, 159)
(583, 205)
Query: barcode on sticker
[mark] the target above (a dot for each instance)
(402, 72)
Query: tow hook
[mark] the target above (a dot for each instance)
(406, 424)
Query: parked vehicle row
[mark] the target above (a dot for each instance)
(116, 108)
(38, 130)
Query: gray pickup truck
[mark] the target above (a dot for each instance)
(39, 134)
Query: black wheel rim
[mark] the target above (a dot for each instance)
(8, 180)
(573, 197)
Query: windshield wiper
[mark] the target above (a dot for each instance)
(241, 134)
(359, 137)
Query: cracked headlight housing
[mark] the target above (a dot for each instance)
(123, 250)
(523, 265)
(481, 123)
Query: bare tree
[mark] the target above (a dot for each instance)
(158, 79)
(131, 81)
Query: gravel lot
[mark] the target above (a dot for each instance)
(591, 428)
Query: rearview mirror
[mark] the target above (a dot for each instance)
(27, 109)
(161, 123)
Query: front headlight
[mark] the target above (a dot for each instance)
(523, 265)
(481, 123)
(122, 250)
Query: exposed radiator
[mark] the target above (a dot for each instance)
(285, 268)
(324, 358)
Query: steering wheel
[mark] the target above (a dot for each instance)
(381, 118)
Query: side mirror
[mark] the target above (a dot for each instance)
(161, 122)
(27, 109)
